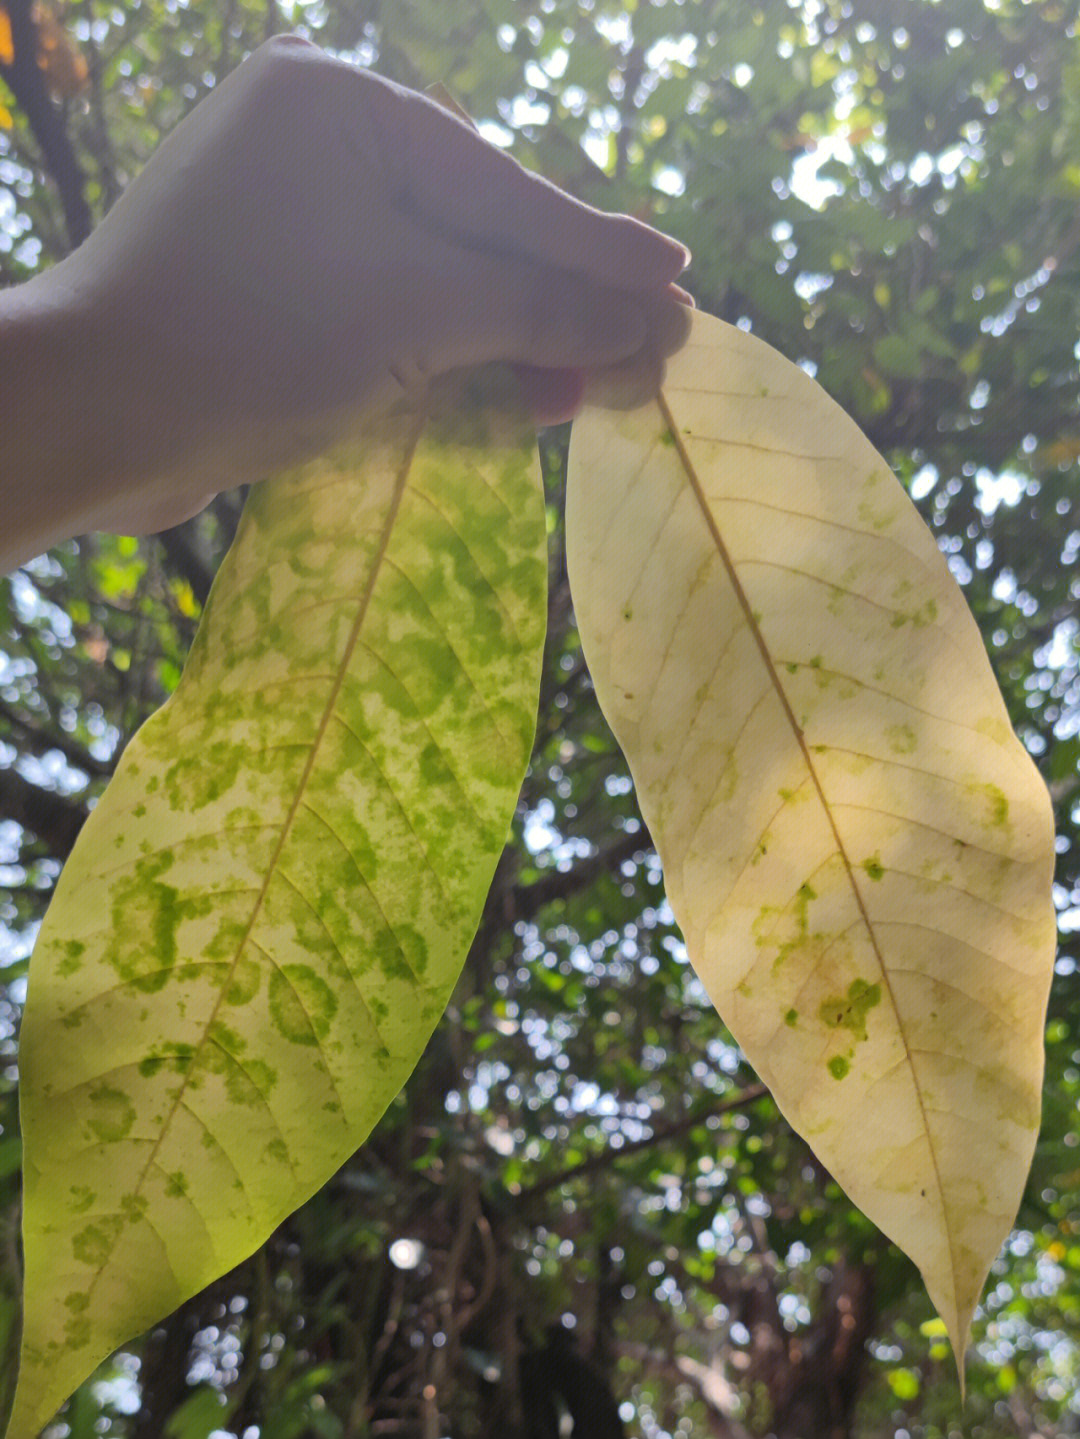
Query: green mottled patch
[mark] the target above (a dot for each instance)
(402, 953)
(145, 916)
(176, 1184)
(77, 1331)
(111, 1114)
(998, 804)
(247, 1081)
(93, 1245)
(877, 517)
(195, 780)
(837, 599)
(850, 1013)
(301, 1004)
(668, 439)
(133, 1206)
(791, 1018)
(70, 961)
(172, 1056)
(874, 867)
(901, 738)
(838, 1066)
(82, 1198)
(923, 615)
(77, 1302)
(244, 980)
(995, 729)
(798, 941)
(795, 796)
(226, 1037)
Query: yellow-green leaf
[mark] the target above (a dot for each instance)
(263, 919)
(857, 848)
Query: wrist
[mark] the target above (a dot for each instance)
(66, 422)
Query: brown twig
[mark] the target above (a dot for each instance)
(665, 1132)
(26, 81)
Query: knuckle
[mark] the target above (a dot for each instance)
(281, 46)
(283, 57)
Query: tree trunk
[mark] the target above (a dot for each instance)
(812, 1377)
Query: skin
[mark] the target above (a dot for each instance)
(312, 243)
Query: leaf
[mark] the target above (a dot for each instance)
(857, 848)
(197, 1417)
(264, 917)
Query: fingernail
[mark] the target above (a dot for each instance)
(679, 256)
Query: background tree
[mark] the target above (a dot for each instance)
(583, 1210)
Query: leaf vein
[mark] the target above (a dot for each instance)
(443, 633)
(326, 929)
(390, 790)
(423, 724)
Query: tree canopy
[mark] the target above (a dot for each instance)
(584, 1203)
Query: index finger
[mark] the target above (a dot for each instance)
(459, 183)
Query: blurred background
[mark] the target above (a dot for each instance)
(583, 1216)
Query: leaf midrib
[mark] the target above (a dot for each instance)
(774, 678)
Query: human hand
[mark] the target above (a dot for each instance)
(311, 243)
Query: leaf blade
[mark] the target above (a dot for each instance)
(824, 762)
(282, 880)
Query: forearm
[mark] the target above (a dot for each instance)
(62, 430)
(119, 416)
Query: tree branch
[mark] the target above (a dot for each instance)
(188, 558)
(52, 817)
(677, 1127)
(709, 1384)
(40, 741)
(530, 898)
(26, 81)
